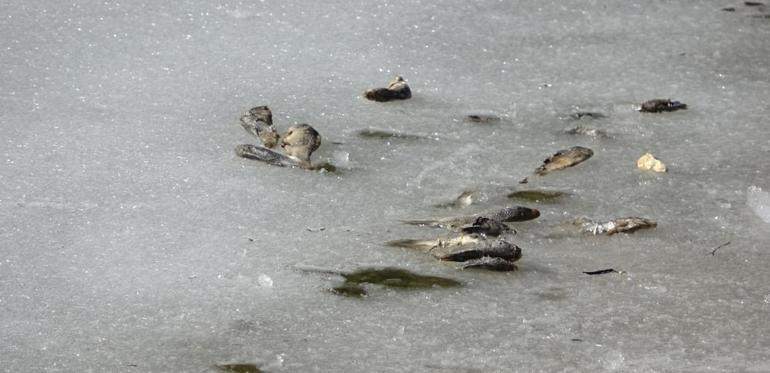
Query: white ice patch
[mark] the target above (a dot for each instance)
(265, 281)
(613, 360)
(759, 202)
(341, 158)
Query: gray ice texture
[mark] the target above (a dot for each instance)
(132, 239)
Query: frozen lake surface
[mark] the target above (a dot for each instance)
(132, 238)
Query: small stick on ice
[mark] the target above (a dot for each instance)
(714, 252)
(600, 272)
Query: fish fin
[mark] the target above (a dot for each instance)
(428, 222)
(542, 171)
(413, 244)
(266, 155)
(261, 130)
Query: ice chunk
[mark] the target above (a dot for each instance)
(265, 281)
(341, 158)
(614, 360)
(759, 202)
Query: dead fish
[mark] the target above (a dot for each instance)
(423, 244)
(482, 118)
(300, 142)
(465, 199)
(586, 115)
(508, 214)
(586, 131)
(499, 248)
(620, 225)
(661, 105)
(397, 90)
(486, 226)
(563, 159)
(471, 249)
(490, 264)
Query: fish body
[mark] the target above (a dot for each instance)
(486, 226)
(430, 244)
(301, 141)
(620, 225)
(499, 248)
(490, 264)
(266, 155)
(660, 105)
(482, 118)
(564, 159)
(508, 214)
(471, 250)
(396, 90)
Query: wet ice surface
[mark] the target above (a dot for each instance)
(759, 202)
(133, 239)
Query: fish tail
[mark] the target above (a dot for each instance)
(266, 155)
(249, 125)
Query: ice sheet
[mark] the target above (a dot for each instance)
(133, 239)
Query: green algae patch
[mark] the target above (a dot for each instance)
(536, 195)
(238, 368)
(398, 278)
(389, 277)
(349, 289)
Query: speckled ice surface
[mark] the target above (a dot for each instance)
(132, 239)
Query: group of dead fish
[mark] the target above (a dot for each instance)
(478, 241)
